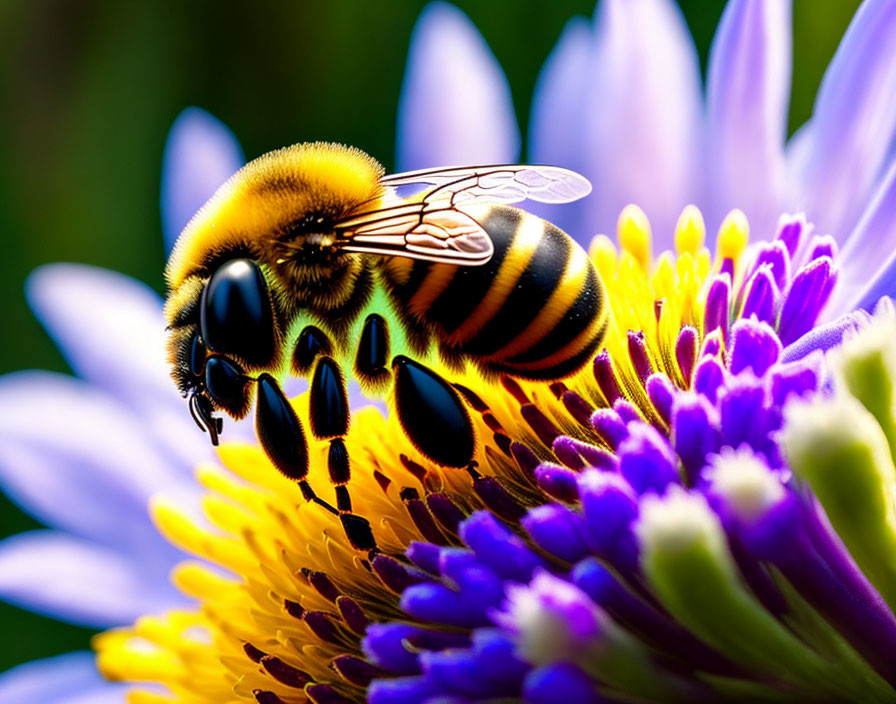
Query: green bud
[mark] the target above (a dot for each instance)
(840, 449)
(687, 563)
(865, 365)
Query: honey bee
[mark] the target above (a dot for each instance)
(276, 269)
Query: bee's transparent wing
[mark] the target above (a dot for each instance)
(435, 228)
(463, 185)
(411, 230)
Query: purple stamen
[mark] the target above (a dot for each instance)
(540, 423)
(695, 433)
(526, 460)
(709, 378)
(686, 352)
(627, 411)
(577, 407)
(565, 450)
(775, 259)
(715, 315)
(791, 230)
(823, 246)
(661, 393)
(497, 498)
(557, 530)
(605, 377)
(609, 426)
(825, 336)
(558, 482)
(754, 345)
(394, 575)
(646, 460)
(504, 552)
(609, 506)
(446, 512)
(762, 297)
(637, 352)
(352, 614)
(597, 457)
(425, 556)
(807, 295)
(741, 411)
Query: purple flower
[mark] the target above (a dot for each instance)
(625, 529)
(619, 99)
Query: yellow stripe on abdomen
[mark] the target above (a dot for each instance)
(529, 232)
(574, 277)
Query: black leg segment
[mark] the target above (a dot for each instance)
(227, 386)
(279, 430)
(373, 350)
(312, 343)
(329, 412)
(432, 414)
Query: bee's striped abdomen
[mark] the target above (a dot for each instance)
(535, 309)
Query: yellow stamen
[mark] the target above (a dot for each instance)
(690, 232)
(733, 236)
(633, 230)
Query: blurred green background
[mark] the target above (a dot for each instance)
(90, 88)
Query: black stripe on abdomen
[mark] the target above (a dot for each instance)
(471, 283)
(535, 285)
(585, 307)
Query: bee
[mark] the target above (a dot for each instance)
(276, 269)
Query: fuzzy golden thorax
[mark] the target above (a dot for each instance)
(280, 210)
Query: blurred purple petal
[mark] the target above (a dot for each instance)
(557, 120)
(863, 280)
(797, 153)
(74, 458)
(455, 106)
(65, 679)
(201, 153)
(109, 326)
(644, 116)
(748, 91)
(80, 582)
(854, 121)
(111, 330)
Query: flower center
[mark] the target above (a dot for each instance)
(288, 611)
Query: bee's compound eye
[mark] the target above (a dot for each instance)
(225, 383)
(235, 314)
(432, 414)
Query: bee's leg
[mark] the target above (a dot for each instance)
(282, 437)
(432, 414)
(330, 416)
(312, 343)
(372, 357)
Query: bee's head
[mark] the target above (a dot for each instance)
(279, 210)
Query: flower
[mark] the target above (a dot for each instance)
(619, 100)
(569, 558)
(445, 610)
